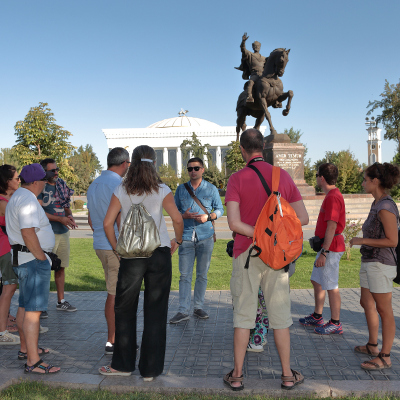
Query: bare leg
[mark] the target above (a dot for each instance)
(5, 301)
(368, 304)
(20, 322)
(110, 317)
(282, 343)
(240, 341)
(319, 297)
(334, 303)
(59, 278)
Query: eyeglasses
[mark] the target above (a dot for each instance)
(190, 169)
(127, 161)
(54, 170)
(44, 179)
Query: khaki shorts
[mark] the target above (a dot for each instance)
(7, 271)
(110, 264)
(377, 277)
(244, 290)
(61, 248)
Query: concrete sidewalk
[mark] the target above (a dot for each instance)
(200, 352)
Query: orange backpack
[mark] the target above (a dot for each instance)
(278, 237)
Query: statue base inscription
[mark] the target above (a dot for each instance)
(290, 157)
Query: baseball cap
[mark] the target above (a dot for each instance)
(32, 172)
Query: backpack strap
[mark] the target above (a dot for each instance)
(276, 173)
(263, 181)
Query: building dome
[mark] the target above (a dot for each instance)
(184, 122)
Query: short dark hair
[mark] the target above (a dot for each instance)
(196, 159)
(252, 141)
(46, 161)
(7, 172)
(117, 156)
(386, 173)
(330, 172)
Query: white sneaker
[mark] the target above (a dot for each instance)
(255, 348)
(148, 379)
(43, 329)
(8, 338)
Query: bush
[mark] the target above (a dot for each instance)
(78, 204)
(168, 176)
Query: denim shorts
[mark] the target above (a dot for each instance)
(34, 284)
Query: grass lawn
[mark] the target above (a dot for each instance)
(86, 273)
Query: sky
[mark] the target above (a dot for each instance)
(127, 64)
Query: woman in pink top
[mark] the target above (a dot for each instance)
(9, 183)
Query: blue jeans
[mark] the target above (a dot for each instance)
(34, 284)
(188, 251)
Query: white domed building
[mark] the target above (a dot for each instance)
(166, 137)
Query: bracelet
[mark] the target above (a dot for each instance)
(178, 243)
(209, 217)
(323, 254)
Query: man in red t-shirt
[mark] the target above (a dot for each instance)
(245, 197)
(325, 275)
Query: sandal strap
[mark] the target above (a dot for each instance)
(372, 345)
(30, 368)
(381, 355)
(372, 363)
(231, 378)
(296, 376)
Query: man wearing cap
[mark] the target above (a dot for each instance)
(30, 234)
(55, 200)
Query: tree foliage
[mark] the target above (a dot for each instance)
(85, 166)
(390, 115)
(213, 175)
(8, 156)
(193, 148)
(39, 137)
(234, 159)
(395, 191)
(168, 176)
(350, 170)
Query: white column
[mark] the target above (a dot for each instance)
(179, 161)
(165, 155)
(218, 160)
(205, 158)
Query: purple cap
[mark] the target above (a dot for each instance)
(32, 172)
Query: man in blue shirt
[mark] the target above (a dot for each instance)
(99, 196)
(198, 238)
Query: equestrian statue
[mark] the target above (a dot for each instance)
(263, 87)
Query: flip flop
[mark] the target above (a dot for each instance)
(30, 369)
(24, 356)
(228, 379)
(106, 370)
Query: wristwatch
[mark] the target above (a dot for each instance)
(323, 251)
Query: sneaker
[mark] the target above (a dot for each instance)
(200, 314)
(329, 328)
(255, 348)
(8, 338)
(178, 318)
(65, 306)
(148, 379)
(43, 329)
(311, 321)
(109, 348)
(44, 315)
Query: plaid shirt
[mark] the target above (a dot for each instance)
(63, 193)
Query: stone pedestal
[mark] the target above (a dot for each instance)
(290, 157)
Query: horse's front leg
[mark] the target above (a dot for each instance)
(267, 115)
(283, 97)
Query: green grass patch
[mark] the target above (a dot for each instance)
(85, 272)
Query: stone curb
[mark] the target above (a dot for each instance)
(210, 386)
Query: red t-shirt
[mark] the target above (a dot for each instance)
(245, 188)
(332, 209)
(4, 243)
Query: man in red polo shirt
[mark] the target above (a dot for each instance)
(245, 197)
(325, 275)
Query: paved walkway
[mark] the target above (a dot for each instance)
(200, 352)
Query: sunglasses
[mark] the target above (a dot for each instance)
(54, 170)
(190, 169)
(317, 175)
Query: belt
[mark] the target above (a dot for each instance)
(16, 248)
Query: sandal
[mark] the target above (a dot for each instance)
(106, 370)
(30, 368)
(11, 318)
(24, 356)
(375, 366)
(297, 378)
(12, 328)
(228, 379)
(367, 351)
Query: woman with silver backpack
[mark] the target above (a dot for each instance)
(145, 250)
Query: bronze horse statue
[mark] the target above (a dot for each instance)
(267, 91)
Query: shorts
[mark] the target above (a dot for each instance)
(34, 284)
(7, 273)
(61, 248)
(328, 276)
(110, 264)
(245, 284)
(377, 277)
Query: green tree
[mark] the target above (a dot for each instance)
(390, 115)
(38, 137)
(8, 156)
(234, 159)
(85, 166)
(395, 192)
(168, 176)
(350, 170)
(213, 175)
(193, 147)
(309, 170)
